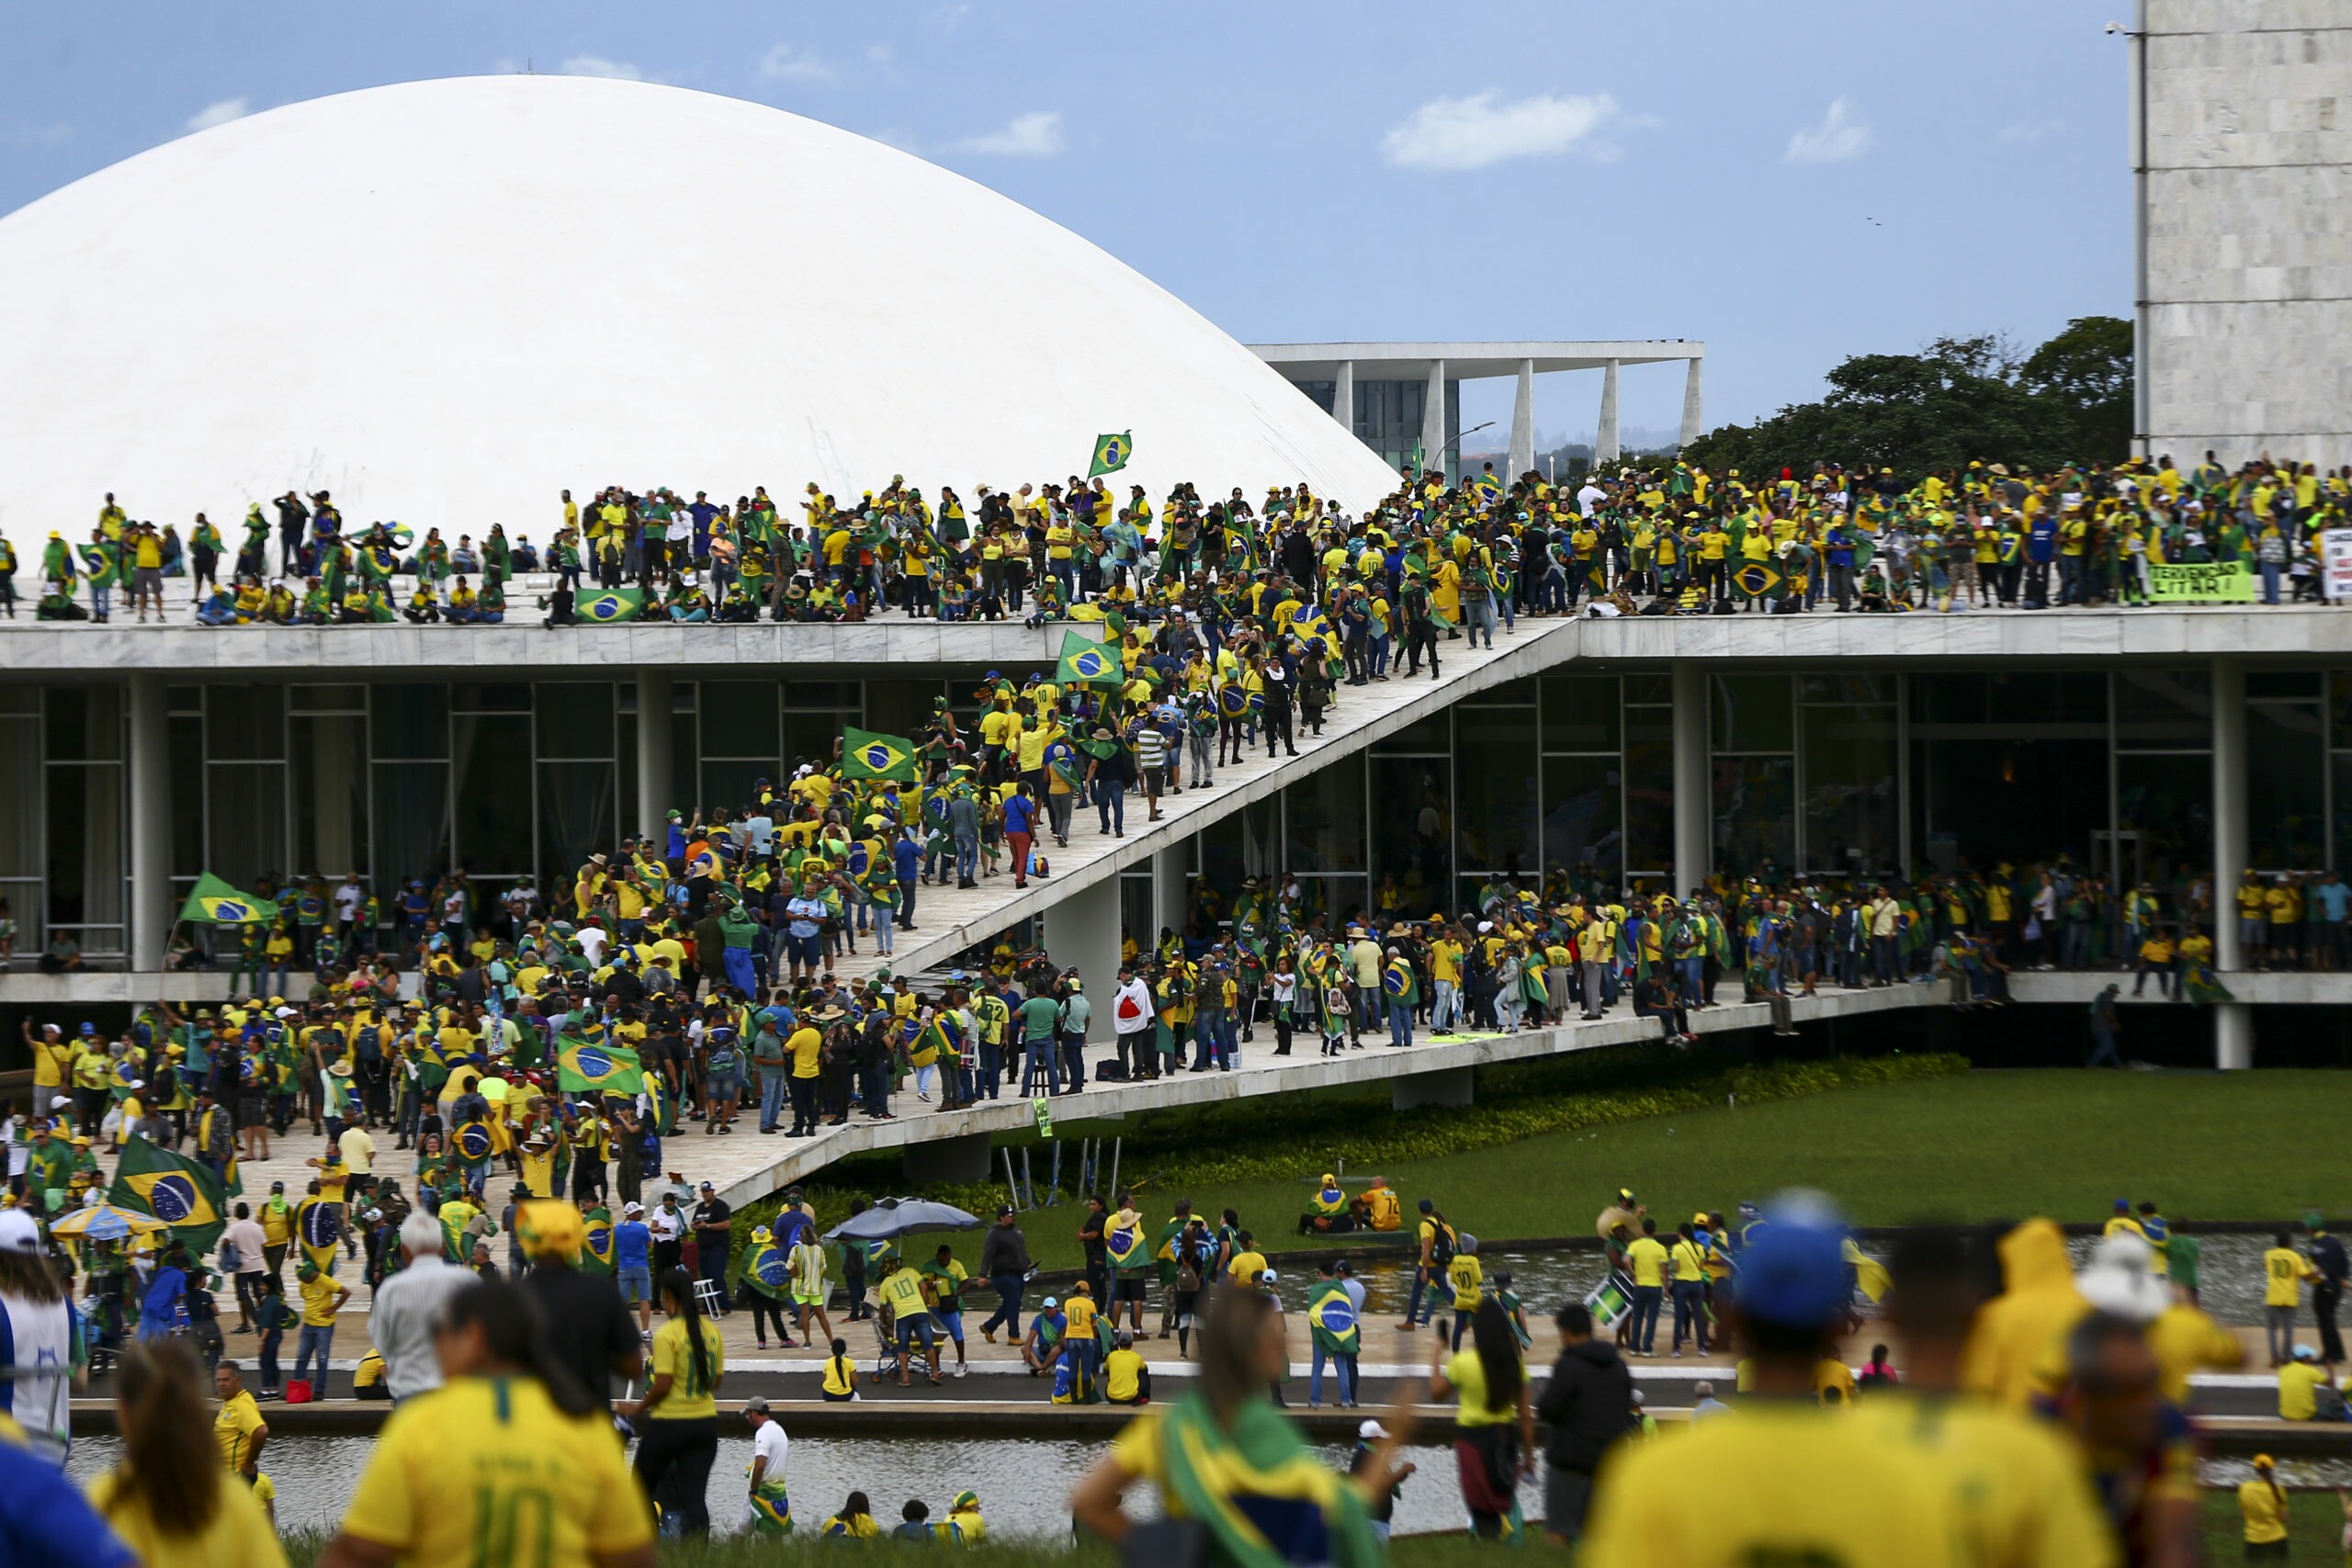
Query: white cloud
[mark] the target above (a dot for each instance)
(597, 65)
(221, 113)
(1037, 134)
(780, 64)
(1472, 132)
(2032, 133)
(1842, 136)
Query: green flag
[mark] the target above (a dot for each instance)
(1085, 663)
(585, 1068)
(213, 902)
(609, 604)
(868, 755)
(183, 1194)
(1111, 453)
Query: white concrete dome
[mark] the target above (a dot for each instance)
(445, 301)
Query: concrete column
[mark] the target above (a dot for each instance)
(151, 916)
(1343, 396)
(2233, 1021)
(1447, 1085)
(655, 692)
(1604, 441)
(1082, 932)
(1171, 890)
(1693, 780)
(1523, 424)
(1433, 419)
(1693, 422)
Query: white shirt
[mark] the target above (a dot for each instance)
(346, 902)
(769, 1443)
(1138, 993)
(592, 942)
(666, 1225)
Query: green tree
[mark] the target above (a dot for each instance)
(1956, 401)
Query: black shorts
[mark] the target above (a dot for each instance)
(1127, 1287)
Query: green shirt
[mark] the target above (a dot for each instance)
(1040, 1016)
(2181, 1253)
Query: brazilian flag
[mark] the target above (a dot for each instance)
(1126, 1245)
(1308, 624)
(596, 1253)
(868, 755)
(930, 1044)
(183, 1194)
(213, 902)
(1232, 701)
(608, 605)
(1757, 580)
(583, 1068)
(665, 1104)
(1085, 663)
(473, 1143)
(1331, 1317)
(1111, 453)
(318, 1227)
(767, 1271)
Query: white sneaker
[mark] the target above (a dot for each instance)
(961, 1367)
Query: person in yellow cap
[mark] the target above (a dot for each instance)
(2262, 1507)
(588, 1328)
(1326, 1211)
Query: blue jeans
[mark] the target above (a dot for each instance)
(1400, 1024)
(1344, 1374)
(772, 1093)
(967, 858)
(1422, 1281)
(321, 1341)
(906, 903)
(1110, 805)
(991, 1067)
(1479, 616)
(1690, 1312)
(1643, 1334)
(1074, 1062)
(1008, 1313)
(1041, 1070)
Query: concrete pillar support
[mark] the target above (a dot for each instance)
(1604, 440)
(1171, 890)
(2233, 1021)
(1523, 424)
(1693, 780)
(1082, 932)
(1693, 419)
(1447, 1085)
(1343, 396)
(1433, 419)
(961, 1159)
(151, 915)
(654, 728)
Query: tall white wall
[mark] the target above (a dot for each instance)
(2248, 207)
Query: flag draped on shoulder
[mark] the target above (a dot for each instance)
(868, 755)
(1085, 663)
(596, 1249)
(213, 902)
(609, 604)
(1111, 453)
(583, 1068)
(183, 1194)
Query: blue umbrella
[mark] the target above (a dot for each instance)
(901, 1216)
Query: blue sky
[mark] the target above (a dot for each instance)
(1791, 182)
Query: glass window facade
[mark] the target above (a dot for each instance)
(1569, 774)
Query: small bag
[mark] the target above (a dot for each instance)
(299, 1392)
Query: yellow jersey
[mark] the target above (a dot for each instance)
(239, 1531)
(1646, 1258)
(2014, 1492)
(234, 1427)
(691, 1397)
(487, 1468)
(1768, 1499)
(2263, 1507)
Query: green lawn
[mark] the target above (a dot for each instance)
(1978, 1146)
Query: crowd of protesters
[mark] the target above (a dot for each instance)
(1652, 536)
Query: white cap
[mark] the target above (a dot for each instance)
(632, 1207)
(17, 1232)
(1371, 1431)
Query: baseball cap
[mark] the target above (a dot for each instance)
(1371, 1431)
(17, 1232)
(758, 1403)
(1793, 1274)
(632, 1207)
